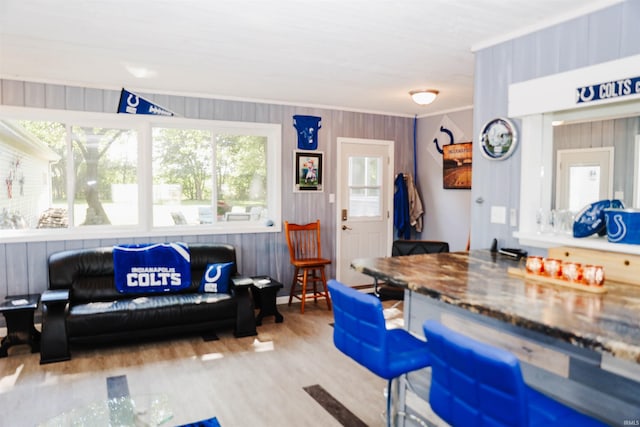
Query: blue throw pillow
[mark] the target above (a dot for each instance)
(216, 278)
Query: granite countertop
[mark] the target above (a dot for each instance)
(478, 281)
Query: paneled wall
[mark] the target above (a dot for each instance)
(605, 35)
(447, 211)
(23, 265)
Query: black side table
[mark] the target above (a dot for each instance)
(18, 312)
(265, 290)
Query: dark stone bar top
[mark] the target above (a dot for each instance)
(478, 281)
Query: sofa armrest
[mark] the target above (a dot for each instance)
(57, 296)
(241, 281)
(54, 346)
(245, 318)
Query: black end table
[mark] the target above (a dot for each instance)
(265, 290)
(18, 311)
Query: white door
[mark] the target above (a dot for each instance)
(583, 176)
(364, 204)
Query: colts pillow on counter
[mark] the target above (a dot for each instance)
(216, 278)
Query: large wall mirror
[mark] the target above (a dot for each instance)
(554, 125)
(595, 160)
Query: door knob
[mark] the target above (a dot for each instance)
(346, 227)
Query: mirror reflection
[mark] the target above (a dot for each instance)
(583, 170)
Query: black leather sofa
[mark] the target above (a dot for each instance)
(83, 306)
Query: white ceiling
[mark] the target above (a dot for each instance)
(362, 55)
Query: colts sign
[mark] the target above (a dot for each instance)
(607, 90)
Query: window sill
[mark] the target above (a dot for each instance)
(133, 233)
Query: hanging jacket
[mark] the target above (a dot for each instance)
(415, 205)
(401, 219)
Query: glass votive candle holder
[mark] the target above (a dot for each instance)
(553, 267)
(593, 275)
(572, 271)
(534, 264)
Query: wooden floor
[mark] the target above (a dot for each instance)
(253, 381)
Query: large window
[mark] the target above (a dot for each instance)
(90, 175)
(202, 177)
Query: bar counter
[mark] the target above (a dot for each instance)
(581, 347)
(478, 281)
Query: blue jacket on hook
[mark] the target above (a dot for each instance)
(401, 220)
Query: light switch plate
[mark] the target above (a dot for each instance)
(498, 215)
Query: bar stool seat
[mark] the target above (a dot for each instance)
(360, 332)
(474, 383)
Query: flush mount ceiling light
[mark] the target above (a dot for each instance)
(424, 96)
(140, 72)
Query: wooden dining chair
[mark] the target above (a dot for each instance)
(305, 254)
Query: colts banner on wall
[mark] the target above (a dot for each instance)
(447, 133)
(606, 90)
(130, 103)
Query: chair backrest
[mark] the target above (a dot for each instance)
(303, 240)
(415, 247)
(473, 383)
(359, 329)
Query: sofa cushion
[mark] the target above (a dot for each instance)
(216, 277)
(148, 312)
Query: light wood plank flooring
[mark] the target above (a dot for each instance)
(253, 381)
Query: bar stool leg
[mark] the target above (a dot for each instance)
(389, 387)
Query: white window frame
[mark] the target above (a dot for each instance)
(143, 124)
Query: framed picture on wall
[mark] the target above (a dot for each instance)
(308, 171)
(456, 166)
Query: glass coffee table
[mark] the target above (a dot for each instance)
(142, 410)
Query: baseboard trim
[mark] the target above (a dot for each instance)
(284, 299)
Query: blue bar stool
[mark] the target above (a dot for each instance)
(360, 333)
(473, 384)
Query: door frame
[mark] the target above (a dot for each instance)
(388, 189)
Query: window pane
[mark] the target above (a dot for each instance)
(106, 176)
(364, 187)
(182, 179)
(34, 189)
(241, 177)
(373, 171)
(357, 168)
